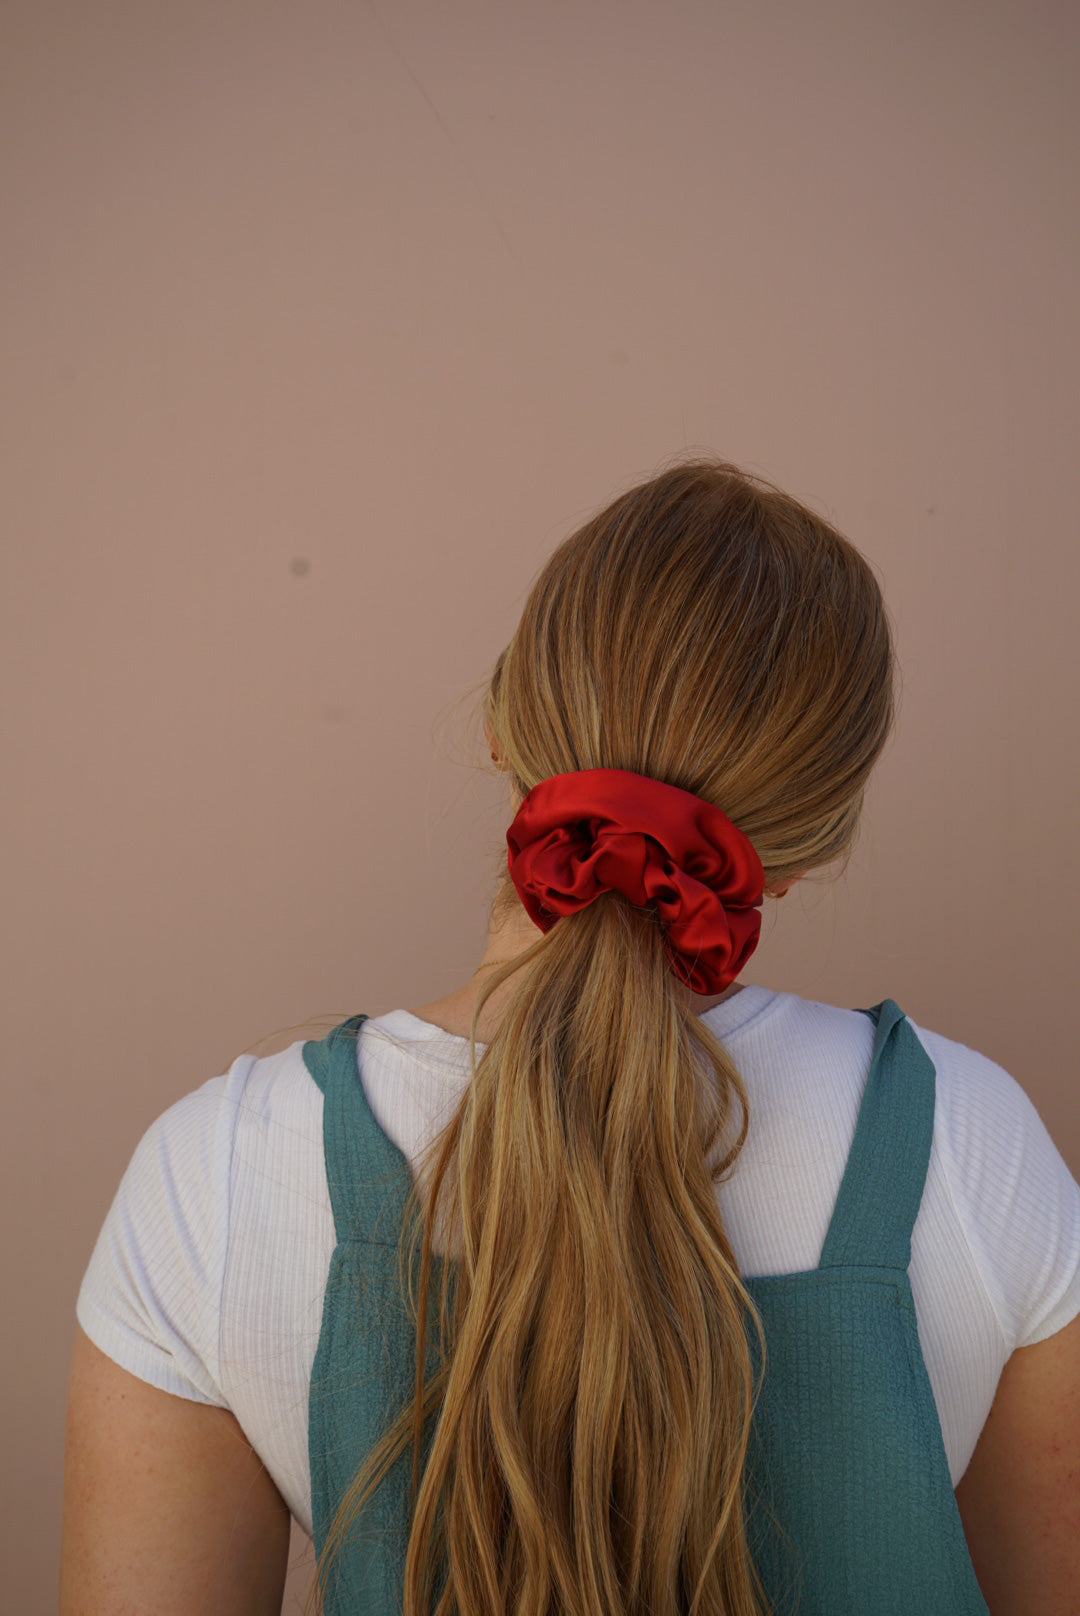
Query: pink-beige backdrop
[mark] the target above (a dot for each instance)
(322, 325)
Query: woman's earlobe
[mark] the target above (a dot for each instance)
(782, 889)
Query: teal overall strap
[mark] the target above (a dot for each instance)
(364, 1366)
(352, 1144)
(880, 1192)
(851, 1509)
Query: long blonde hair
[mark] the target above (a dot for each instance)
(596, 1388)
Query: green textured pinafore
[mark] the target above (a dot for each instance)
(850, 1506)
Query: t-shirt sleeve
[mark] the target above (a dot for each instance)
(1017, 1202)
(150, 1298)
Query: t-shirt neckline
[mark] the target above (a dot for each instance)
(730, 1016)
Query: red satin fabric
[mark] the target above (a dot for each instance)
(594, 830)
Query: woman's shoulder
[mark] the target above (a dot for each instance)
(972, 1082)
(984, 1119)
(983, 1110)
(214, 1146)
(1014, 1195)
(253, 1100)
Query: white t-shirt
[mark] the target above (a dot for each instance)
(208, 1275)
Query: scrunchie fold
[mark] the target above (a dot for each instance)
(580, 834)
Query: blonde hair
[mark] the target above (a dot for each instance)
(596, 1389)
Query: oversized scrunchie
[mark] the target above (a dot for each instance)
(595, 830)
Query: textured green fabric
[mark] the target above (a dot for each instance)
(850, 1506)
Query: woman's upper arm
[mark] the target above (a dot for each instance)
(167, 1508)
(1019, 1498)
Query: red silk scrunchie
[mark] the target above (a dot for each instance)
(596, 830)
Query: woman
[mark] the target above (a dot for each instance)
(462, 1288)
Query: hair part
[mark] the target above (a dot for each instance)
(595, 1389)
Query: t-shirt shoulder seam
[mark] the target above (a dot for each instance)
(940, 1143)
(241, 1068)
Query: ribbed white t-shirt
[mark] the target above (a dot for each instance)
(208, 1275)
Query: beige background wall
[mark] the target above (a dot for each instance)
(322, 325)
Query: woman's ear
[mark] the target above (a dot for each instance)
(782, 887)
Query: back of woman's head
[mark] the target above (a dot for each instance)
(709, 631)
(596, 1387)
